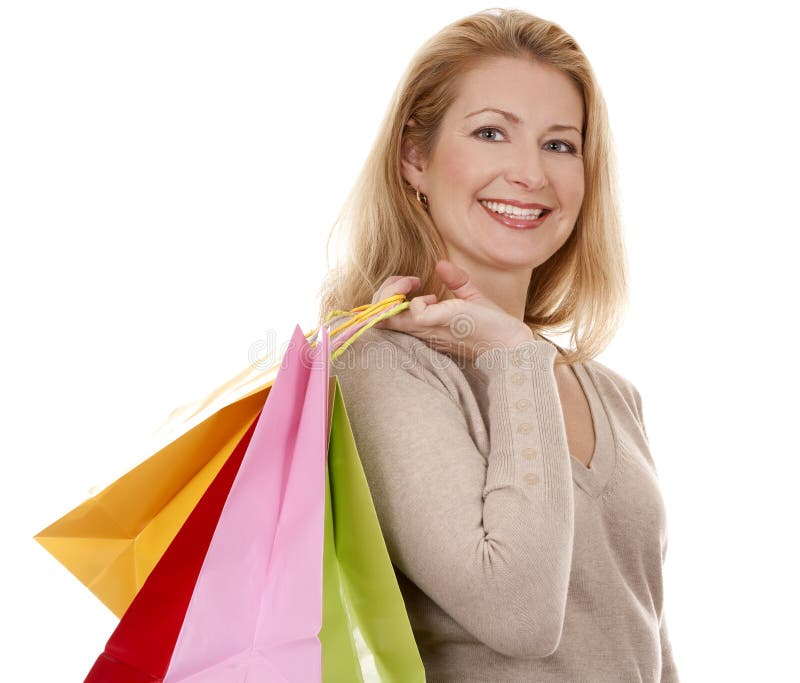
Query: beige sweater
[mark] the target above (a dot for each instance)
(516, 561)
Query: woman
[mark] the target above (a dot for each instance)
(512, 478)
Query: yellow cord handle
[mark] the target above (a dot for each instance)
(251, 380)
(378, 311)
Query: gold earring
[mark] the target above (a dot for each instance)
(422, 199)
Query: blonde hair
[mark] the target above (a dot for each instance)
(582, 287)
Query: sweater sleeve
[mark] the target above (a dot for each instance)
(669, 672)
(490, 542)
(639, 410)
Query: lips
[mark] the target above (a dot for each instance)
(514, 202)
(515, 222)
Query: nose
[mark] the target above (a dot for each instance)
(527, 169)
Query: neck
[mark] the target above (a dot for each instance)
(506, 288)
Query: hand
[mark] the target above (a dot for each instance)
(464, 326)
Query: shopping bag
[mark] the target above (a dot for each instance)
(256, 608)
(255, 605)
(141, 646)
(361, 600)
(366, 634)
(112, 541)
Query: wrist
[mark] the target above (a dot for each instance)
(525, 334)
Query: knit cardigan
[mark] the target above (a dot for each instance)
(516, 562)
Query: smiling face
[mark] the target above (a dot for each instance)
(523, 156)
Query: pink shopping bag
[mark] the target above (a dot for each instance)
(256, 608)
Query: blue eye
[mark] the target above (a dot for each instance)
(482, 130)
(566, 146)
(570, 148)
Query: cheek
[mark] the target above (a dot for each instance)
(579, 191)
(457, 178)
(571, 187)
(459, 171)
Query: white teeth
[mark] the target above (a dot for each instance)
(510, 210)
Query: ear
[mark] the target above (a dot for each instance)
(412, 162)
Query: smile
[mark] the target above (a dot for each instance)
(527, 218)
(510, 210)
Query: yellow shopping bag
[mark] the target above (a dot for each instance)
(112, 541)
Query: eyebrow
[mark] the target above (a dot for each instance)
(516, 119)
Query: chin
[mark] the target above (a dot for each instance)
(517, 261)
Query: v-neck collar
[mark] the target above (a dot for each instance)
(593, 479)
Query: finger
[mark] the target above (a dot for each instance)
(392, 279)
(418, 305)
(385, 323)
(396, 284)
(398, 321)
(426, 312)
(457, 280)
(422, 314)
(405, 285)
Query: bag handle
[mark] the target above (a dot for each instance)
(251, 380)
(361, 319)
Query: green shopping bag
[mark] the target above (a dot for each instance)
(365, 628)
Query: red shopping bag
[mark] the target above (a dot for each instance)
(242, 585)
(140, 649)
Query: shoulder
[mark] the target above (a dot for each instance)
(616, 386)
(391, 359)
(398, 389)
(376, 344)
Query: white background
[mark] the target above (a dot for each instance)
(168, 176)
